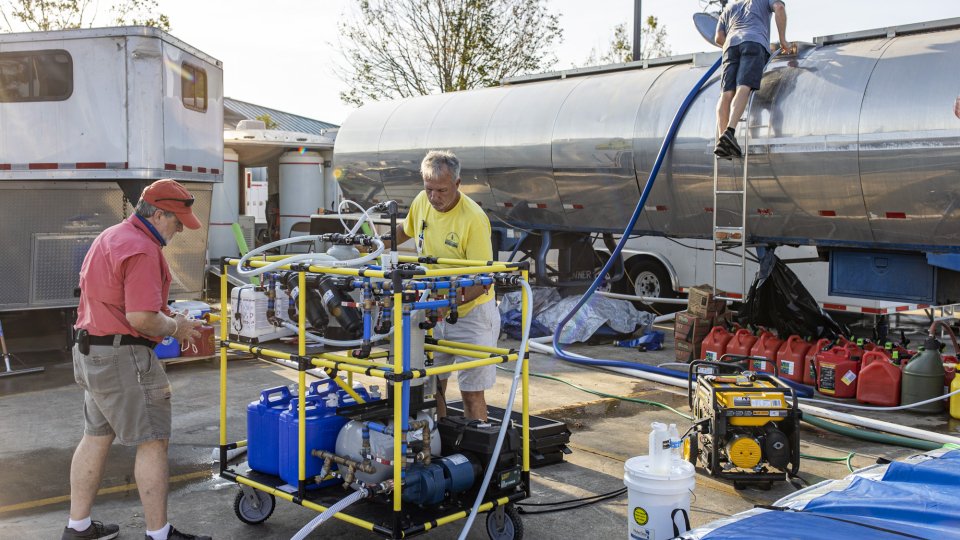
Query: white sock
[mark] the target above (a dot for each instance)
(79, 525)
(161, 533)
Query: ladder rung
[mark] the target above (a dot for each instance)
(727, 237)
(730, 192)
(721, 234)
(725, 263)
(728, 299)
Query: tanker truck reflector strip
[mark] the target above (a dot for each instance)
(96, 165)
(843, 307)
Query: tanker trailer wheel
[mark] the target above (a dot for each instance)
(253, 506)
(503, 523)
(600, 258)
(647, 277)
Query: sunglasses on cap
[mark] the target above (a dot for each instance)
(186, 202)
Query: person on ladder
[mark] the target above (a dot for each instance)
(743, 31)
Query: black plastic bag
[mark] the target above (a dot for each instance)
(777, 299)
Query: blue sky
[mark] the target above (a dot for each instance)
(282, 57)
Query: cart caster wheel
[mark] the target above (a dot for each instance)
(503, 523)
(253, 507)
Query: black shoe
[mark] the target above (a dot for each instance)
(174, 534)
(722, 152)
(730, 143)
(96, 531)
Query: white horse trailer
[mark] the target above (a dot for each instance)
(88, 118)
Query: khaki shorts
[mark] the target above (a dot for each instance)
(126, 393)
(481, 326)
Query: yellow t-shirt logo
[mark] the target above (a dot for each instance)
(452, 240)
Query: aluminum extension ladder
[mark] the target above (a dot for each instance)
(727, 239)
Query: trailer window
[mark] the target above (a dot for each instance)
(35, 76)
(194, 84)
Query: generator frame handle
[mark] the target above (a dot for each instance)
(734, 368)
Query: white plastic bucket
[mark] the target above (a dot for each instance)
(653, 498)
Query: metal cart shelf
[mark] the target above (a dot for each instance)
(384, 513)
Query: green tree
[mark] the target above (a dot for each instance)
(653, 40)
(39, 15)
(268, 121)
(403, 48)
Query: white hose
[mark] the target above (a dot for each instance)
(339, 506)
(314, 257)
(334, 342)
(366, 217)
(878, 425)
(869, 408)
(316, 372)
(505, 422)
(303, 257)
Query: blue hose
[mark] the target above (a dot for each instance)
(667, 141)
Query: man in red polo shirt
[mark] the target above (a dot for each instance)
(123, 313)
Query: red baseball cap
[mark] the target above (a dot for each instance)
(169, 195)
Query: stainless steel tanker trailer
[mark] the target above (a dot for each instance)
(854, 148)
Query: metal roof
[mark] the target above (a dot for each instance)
(235, 110)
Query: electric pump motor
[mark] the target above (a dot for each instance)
(328, 298)
(334, 293)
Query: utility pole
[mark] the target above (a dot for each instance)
(637, 29)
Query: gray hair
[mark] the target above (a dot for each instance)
(146, 210)
(437, 162)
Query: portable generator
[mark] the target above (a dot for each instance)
(747, 425)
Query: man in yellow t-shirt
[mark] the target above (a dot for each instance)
(447, 224)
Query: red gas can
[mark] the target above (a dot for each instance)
(856, 353)
(714, 346)
(741, 343)
(810, 373)
(837, 372)
(879, 382)
(792, 358)
(205, 345)
(766, 347)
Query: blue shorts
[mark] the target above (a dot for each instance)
(743, 66)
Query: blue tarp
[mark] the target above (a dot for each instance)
(912, 500)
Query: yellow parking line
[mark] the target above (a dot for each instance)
(104, 491)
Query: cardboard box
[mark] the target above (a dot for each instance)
(690, 327)
(701, 302)
(686, 352)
